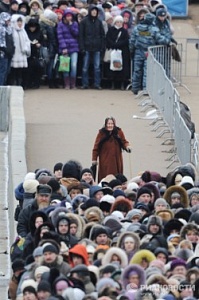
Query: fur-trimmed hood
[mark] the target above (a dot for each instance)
(139, 255)
(120, 242)
(117, 251)
(133, 267)
(93, 214)
(80, 224)
(56, 214)
(157, 278)
(186, 228)
(181, 191)
(185, 170)
(34, 216)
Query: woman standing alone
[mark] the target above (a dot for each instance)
(108, 147)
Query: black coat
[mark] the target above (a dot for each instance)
(24, 217)
(121, 43)
(91, 34)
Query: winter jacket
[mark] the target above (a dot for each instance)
(49, 32)
(91, 34)
(59, 264)
(21, 42)
(164, 28)
(24, 217)
(34, 36)
(67, 36)
(146, 34)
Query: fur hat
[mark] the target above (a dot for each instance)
(142, 254)
(57, 166)
(165, 214)
(183, 213)
(183, 253)
(143, 190)
(50, 15)
(154, 220)
(30, 186)
(27, 283)
(97, 230)
(93, 214)
(172, 224)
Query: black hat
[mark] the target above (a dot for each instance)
(14, 2)
(18, 264)
(57, 166)
(183, 214)
(44, 189)
(80, 269)
(89, 203)
(119, 176)
(143, 206)
(86, 170)
(46, 4)
(171, 225)
(109, 269)
(29, 289)
(115, 182)
(97, 231)
(54, 184)
(143, 190)
(71, 169)
(51, 248)
(44, 286)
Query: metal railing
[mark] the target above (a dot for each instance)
(165, 97)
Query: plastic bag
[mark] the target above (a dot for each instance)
(116, 60)
(107, 55)
(64, 63)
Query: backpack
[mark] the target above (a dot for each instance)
(16, 249)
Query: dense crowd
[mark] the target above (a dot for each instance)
(36, 37)
(127, 239)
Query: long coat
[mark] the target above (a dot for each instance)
(121, 43)
(108, 147)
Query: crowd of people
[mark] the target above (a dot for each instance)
(87, 234)
(35, 34)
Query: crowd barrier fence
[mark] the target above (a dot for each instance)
(164, 96)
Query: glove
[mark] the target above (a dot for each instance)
(94, 162)
(128, 149)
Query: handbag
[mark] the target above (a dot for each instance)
(107, 55)
(64, 63)
(116, 60)
(174, 53)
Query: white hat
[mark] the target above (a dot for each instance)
(108, 198)
(187, 179)
(118, 19)
(30, 186)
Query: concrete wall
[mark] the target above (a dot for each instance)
(12, 170)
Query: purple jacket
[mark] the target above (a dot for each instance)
(68, 36)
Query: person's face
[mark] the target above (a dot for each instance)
(109, 21)
(135, 219)
(188, 292)
(58, 173)
(192, 236)
(102, 239)
(20, 24)
(194, 200)
(134, 279)
(160, 207)
(34, 6)
(59, 15)
(119, 24)
(145, 198)
(43, 295)
(94, 13)
(110, 125)
(63, 7)
(126, 18)
(15, 7)
(129, 245)
(115, 258)
(49, 257)
(23, 9)
(154, 228)
(162, 257)
(144, 263)
(193, 278)
(29, 296)
(63, 228)
(43, 200)
(73, 228)
(179, 270)
(98, 195)
(175, 200)
(32, 28)
(38, 221)
(68, 18)
(87, 177)
(74, 192)
(77, 260)
(162, 18)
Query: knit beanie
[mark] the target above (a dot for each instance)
(86, 170)
(161, 201)
(58, 166)
(115, 182)
(50, 15)
(177, 262)
(18, 264)
(44, 286)
(143, 190)
(50, 248)
(30, 186)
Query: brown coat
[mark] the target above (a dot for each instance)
(108, 147)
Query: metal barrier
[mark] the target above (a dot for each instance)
(166, 99)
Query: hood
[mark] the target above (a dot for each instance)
(139, 270)
(186, 228)
(120, 242)
(56, 214)
(178, 189)
(129, 12)
(90, 9)
(119, 252)
(80, 250)
(36, 1)
(67, 12)
(33, 21)
(4, 17)
(80, 224)
(33, 217)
